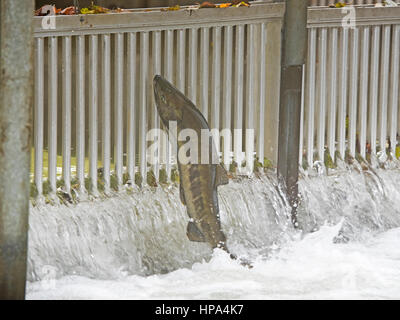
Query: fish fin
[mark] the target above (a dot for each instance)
(221, 176)
(193, 233)
(182, 195)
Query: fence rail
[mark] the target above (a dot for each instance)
(94, 103)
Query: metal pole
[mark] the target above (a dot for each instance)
(16, 70)
(294, 46)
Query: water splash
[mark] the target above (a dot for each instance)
(144, 233)
(367, 199)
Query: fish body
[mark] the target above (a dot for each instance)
(198, 181)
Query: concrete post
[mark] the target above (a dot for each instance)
(294, 48)
(16, 69)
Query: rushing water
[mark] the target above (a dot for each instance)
(135, 245)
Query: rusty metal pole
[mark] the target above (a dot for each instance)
(16, 43)
(294, 48)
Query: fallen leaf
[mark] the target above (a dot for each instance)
(224, 5)
(241, 4)
(174, 8)
(93, 9)
(87, 11)
(207, 4)
(46, 10)
(99, 9)
(68, 11)
(337, 5)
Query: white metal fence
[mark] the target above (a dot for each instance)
(94, 98)
(352, 90)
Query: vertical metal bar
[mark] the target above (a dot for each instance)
(39, 125)
(238, 115)
(204, 58)
(181, 43)
(52, 112)
(192, 72)
(169, 54)
(16, 99)
(106, 123)
(394, 88)
(156, 55)
(216, 85)
(168, 72)
(227, 96)
(80, 111)
(93, 107)
(353, 92)
(251, 84)
(262, 92)
(144, 60)
(131, 125)
(311, 95)
(343, 92)
(301, 142)
(364, 74)
(294, 48)
(66, 113)
(118, 106)
(322, 93)
(373, 89)
(384, 87)
(332, 92)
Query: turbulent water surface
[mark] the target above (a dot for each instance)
(134, 246)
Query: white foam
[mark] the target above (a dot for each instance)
(312, 268)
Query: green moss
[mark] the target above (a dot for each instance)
(233, 166)
(88, 184)
(75, 184)
(125, 178)
(114, 182)
(257, 165)
(163, 176)
(268, 164)
(64, 197)
(398, 152)
(46, 187)
(304, 163)
(101, 184)
(138, 179)
(329, 163)
(151, 179)
(33, 190)
(175, 175)
(60, 183)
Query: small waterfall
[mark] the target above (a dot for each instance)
(144, 232)
(368, 200)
